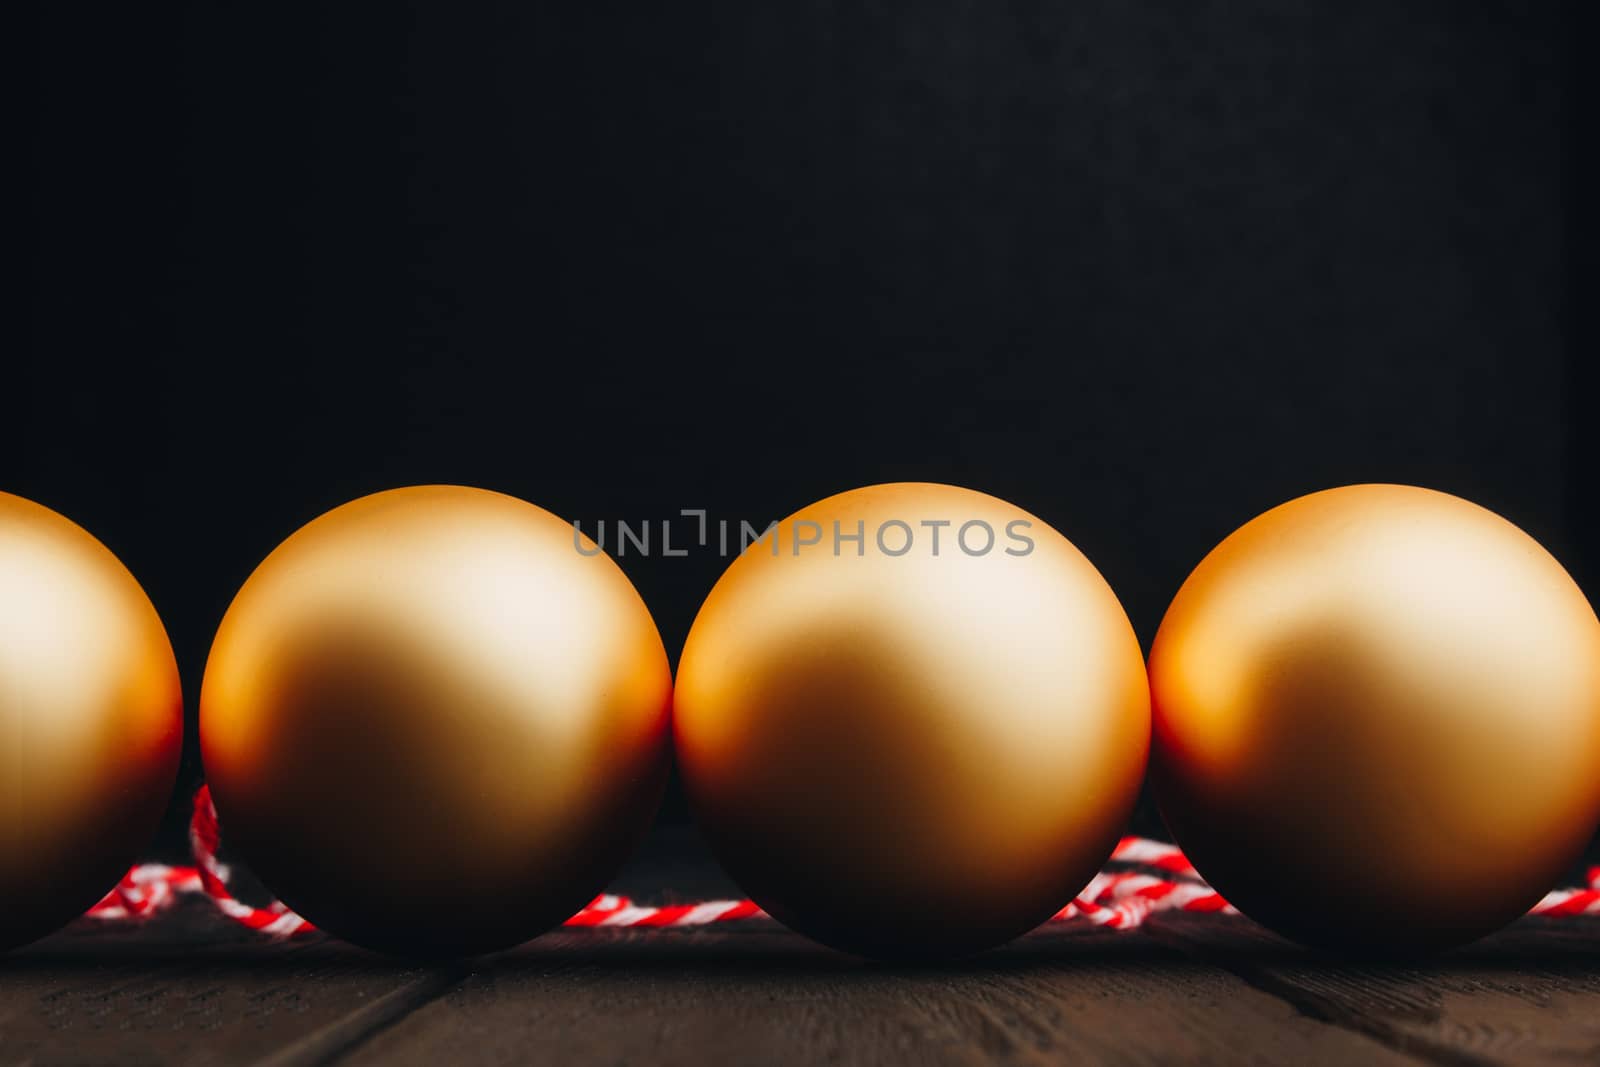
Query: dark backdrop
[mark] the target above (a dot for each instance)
(1144, 268)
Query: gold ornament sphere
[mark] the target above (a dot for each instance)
(91, 720)
(1377, 719)
(434, 723)
(912, 721)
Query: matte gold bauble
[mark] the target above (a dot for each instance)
(432, 725)
(912, 721)
(91, 720)
(1377, 719)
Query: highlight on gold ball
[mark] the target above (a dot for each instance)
(915, 752)
(1377, 719)
(91, 720)
(430, 726)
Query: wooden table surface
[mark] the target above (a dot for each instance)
(187, 987)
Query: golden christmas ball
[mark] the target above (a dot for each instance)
(1377, 719)
(912, 720)
(435, 720)
(91, 720)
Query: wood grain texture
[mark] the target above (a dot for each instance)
(757, 994)
(1527, 995)
(190, 988)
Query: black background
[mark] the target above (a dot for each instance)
(1145, 269)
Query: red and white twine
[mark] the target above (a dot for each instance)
(1146, 877)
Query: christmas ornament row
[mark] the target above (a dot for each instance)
(432, 726)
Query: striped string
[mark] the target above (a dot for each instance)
(1145, 877)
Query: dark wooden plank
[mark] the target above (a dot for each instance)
(189, 987)
(757, 994)
(1527, 995)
